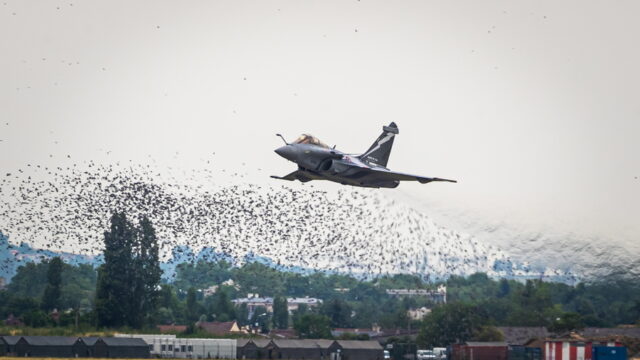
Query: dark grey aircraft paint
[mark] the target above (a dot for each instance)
(317, 161)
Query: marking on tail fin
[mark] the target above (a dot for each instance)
(379, 143)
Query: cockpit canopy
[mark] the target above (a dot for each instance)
(310, 139)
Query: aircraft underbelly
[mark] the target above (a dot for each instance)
(359, 178)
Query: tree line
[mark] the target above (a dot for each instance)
(127, 291)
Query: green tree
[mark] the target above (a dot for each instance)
(260, 319)
(191, 308)
(313, 326)
(114, 296)
(488, 333)
(147, 275)
(280, 313)
(242, 314)
(222, 307)
(127, 286)
(51, 296)
(568, 321)
(450, 324)
(504, 288)
(36, 318)
(297, 314)
(338, 311)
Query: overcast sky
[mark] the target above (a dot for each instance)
(533, 106)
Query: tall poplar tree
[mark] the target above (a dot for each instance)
(113, 289)
(51, 296)
(147, 275)
(280, 313)
(191, 308)
(128, 282)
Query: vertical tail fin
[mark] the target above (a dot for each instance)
(378, 153)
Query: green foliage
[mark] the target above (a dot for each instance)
(338, 311)
(51, 296)
(192, 309)
(451, 324)
(78, 283)
(242, 315)
(147, 275)
(127, 281)
(36, 318)
(348, 302)
(488, 333)
(280, 313)
(220, 307)
(261, 319)
(350, 336)
(202, 274)
(568, 321)
(313, 326)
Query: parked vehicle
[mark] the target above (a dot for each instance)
(426, 355)
(387, 356)
(441, 353)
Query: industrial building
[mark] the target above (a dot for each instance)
(168, 346)
(473, 350)
(573, 349)
(47, 346)
(72, 347)
(309, 349)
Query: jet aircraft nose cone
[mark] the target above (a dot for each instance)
(286, 152)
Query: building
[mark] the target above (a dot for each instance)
(254, 349)
(73, 347)
(519, 352)
(46, 346)
(523, 335)
(168, 346)
(117, 347)
(473, 350)
(195, 348)
(241, 345)
(3, 347)
(356, 350)
(295, 349)
(152, 340)
(219, 328)
(254, 301)
(309, 349)
(294, 303)
(438, 296)
(419, 313)
(9, 343)
(283, 334)
(210, 290)
(173, 328)
(573, 348)
(372, 332)
(89, 343)
(13, 321)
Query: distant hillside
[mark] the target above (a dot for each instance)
(13, 256)
(358, 232)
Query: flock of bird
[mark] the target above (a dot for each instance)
(361, 232)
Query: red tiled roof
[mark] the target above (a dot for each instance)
(216, 328)
(172, 328)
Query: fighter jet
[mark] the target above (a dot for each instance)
(317, 161)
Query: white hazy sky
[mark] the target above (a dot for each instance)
(533, 106)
